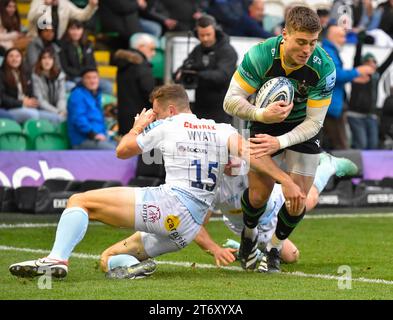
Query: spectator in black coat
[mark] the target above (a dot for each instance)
(211, 64)
(362, 113)
(134, 78)
(77, 53)
(120, 16)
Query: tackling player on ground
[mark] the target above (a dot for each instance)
(167, 217)
(287, 133)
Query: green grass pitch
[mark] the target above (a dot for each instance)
(363, 244)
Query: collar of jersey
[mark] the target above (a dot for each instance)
(287, 69)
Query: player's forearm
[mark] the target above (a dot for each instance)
(306, 130)
(236, 104)
(205, 242)
(238, 146)
(266, 165)
(128, 146)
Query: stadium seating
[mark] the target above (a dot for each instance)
(50, 141)
(11, 136)
(42, 135)
(102, 57)
(158, 63)
(62, 130)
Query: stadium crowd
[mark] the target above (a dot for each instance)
(49, 57)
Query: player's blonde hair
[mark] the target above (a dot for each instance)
(302, 19)
(171, 94)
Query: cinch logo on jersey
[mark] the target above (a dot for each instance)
(171, 224)
(150, 213)
(184, 148)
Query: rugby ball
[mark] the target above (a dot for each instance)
(276, 89)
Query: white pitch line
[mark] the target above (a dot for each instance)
(310, 216)
(337, 216)
(206, 266)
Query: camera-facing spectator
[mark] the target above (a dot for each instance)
(135, 78)
(57, 14)
(16, 90)
(86, 121)
(209, 68)
(11, 35)
(46, 39)
(49, 85)
(76, 53)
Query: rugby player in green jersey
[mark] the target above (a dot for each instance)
(288, 133)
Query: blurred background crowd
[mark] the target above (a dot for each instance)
(85, 68)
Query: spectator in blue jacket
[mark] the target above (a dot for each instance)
(86, 121)
(251, 23)
(334, 128)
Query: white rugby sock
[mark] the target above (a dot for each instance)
(70, 231)
(250, 233)
(122, 260)
(274, 243)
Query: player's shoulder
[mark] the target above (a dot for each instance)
(152, 126)
(268, 46)
(321, 62)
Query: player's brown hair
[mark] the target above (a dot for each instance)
(302, 19)
(171, 94)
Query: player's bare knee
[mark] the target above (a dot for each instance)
(257, 199)
(79, 200)
(76, 200)
(291, 257)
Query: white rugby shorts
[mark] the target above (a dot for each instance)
(165, 223)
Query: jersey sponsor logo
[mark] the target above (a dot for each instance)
(171, 224)
(151, 213)
(330, 81)
(302, 87)
(317, 60)
(184, 148)
(201, 135)
(199, 126)
(152, 126)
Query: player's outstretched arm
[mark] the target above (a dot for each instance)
(222, 256)
(128, 146)
(238, 146)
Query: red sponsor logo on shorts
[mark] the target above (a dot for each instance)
(151, 213)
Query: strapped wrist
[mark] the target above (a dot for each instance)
(137, 129)
(260, 115)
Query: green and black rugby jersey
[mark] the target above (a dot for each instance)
(313, 82)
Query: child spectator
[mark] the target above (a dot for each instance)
(49, 85)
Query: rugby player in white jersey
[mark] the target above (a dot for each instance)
(228, 203)
(167, 218)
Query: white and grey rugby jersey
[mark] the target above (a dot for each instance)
(195, 152)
